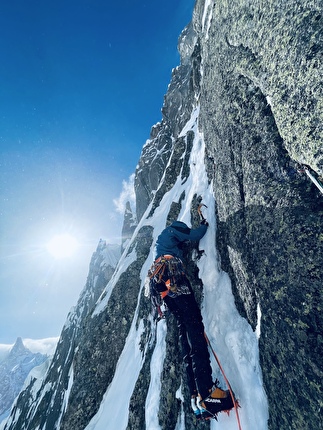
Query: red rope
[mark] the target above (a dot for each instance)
(235, 403)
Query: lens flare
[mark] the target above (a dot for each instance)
(62, 246)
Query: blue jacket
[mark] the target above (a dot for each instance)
(170, 239)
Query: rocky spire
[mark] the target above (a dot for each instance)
(18, 348)
(129, 225)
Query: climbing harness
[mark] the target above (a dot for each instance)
(165, 272)
(164, 276)
(234, 400)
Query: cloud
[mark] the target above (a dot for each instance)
(4, 351)
(44, 346)
(127, 195)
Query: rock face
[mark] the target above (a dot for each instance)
(250, 77)
(129, 225)
(261, 112)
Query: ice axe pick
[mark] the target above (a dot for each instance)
(199, 210)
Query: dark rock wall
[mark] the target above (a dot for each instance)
(261, 112)
(278, 46)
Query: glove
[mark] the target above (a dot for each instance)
(204, 222)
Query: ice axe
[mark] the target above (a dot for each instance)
(199, 210)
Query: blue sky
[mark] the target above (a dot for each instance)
(81, 84)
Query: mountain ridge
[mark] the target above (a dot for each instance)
(14, 368)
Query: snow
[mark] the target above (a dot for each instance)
(127, 195)
(113, 412)
(33, 380)
(156, 368)
(207, 17)
(122, 267)
(66, 396)
(37, 373)
(233, 339)
(314, 180)
(111, 255)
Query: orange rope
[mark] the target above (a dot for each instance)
(235, 403)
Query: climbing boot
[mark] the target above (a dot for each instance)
(217, 401)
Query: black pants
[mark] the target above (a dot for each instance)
(195, 350)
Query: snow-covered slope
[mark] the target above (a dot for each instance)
(14, 368)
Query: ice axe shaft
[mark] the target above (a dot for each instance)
(199, 210)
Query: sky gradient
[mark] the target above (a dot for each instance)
(81, 84)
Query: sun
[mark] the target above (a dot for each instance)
(62, 246)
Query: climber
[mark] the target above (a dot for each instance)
(169, 280)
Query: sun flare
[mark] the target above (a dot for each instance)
(62, 246)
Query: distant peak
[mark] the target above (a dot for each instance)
(18, 347)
